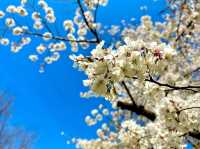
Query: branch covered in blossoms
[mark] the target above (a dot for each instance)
(150, 73)
(93, 31)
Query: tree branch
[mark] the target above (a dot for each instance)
(87, 23)
(183, 32)
(140, 109)
(179, 111)
(194, 134)
(59, 38)
(129, 93)
(189, 87)
(137, 109)
(134, 107)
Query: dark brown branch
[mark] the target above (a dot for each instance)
(183, 32)
(179, 111)
(137, 109)
(189, 87)
(193, 71)
(129, 93)
(87, 23)
(180, 17)
(194, 134)
(172, 87)
(134, 107)
(59, 38)
(140, 109)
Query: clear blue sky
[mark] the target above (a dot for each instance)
(48, 103)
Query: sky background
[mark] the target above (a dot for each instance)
(49, 103)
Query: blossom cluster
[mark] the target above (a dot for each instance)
(152, 68)
(148, 76)
(107, 67)
(42, 17)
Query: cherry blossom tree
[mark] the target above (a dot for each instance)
(149, 73)
(12, 137)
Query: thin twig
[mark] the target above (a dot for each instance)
(87, 23)
(189, 87)
(59, 38)
(179, 111)
(129, 93)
